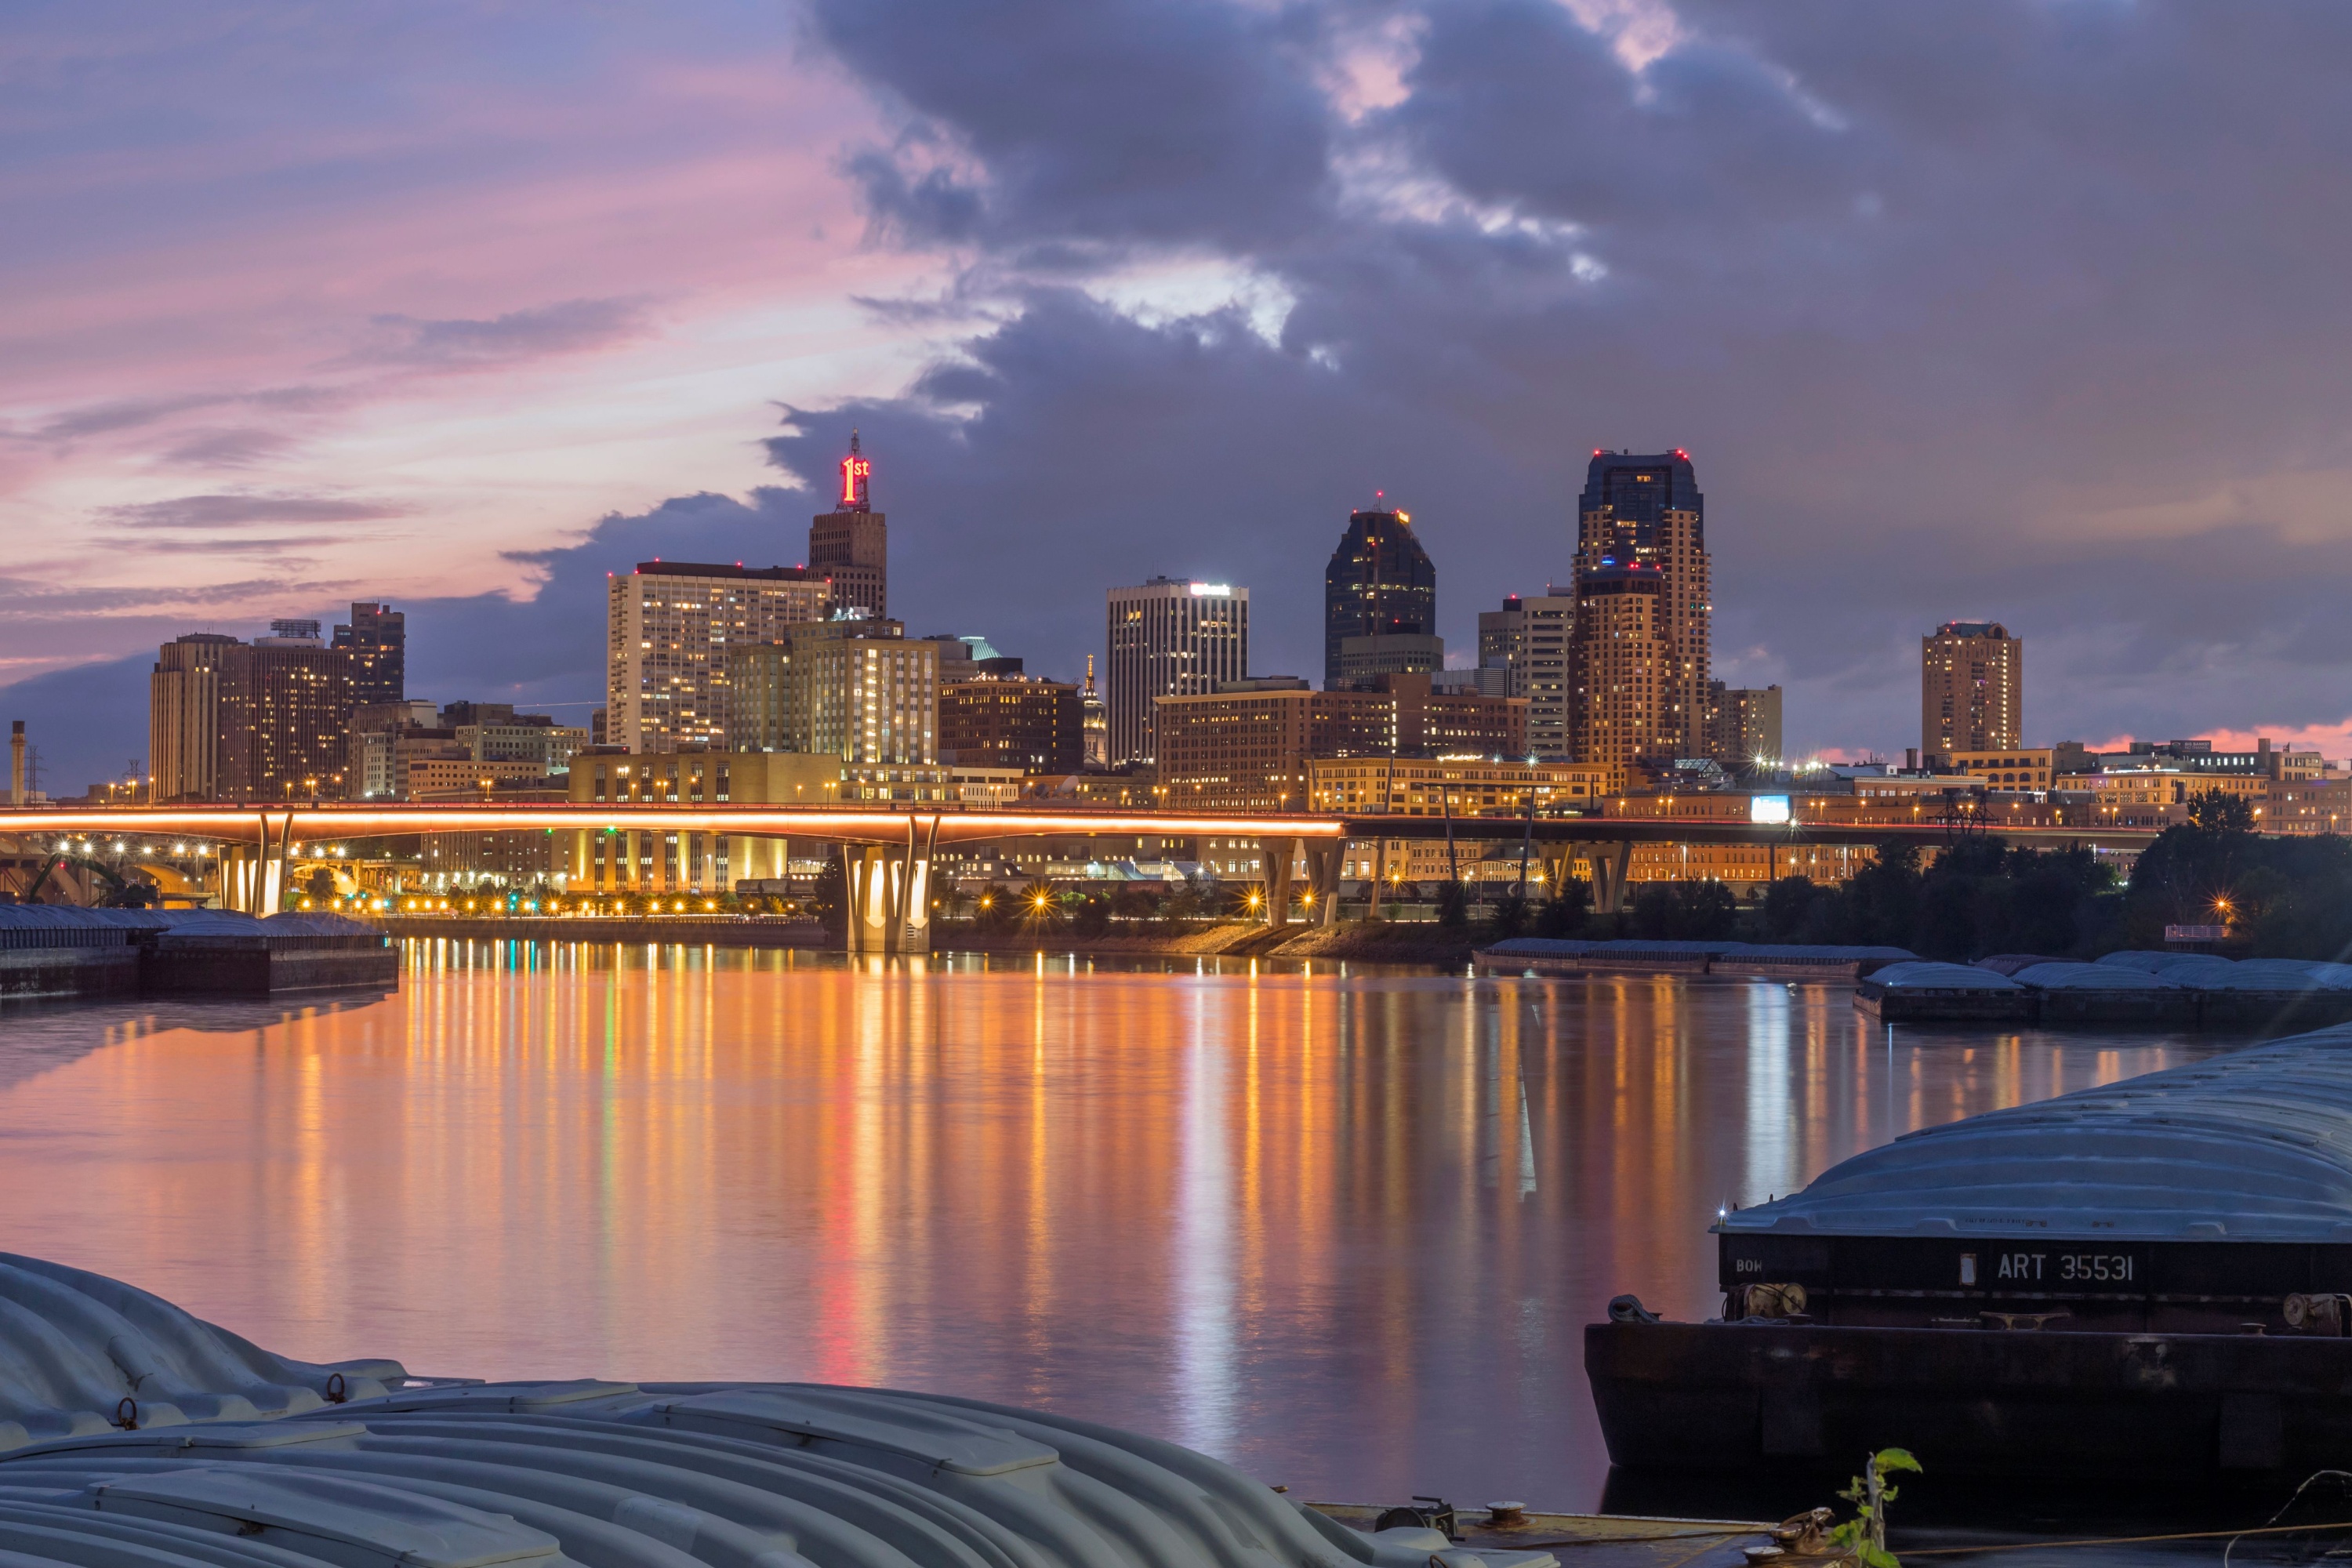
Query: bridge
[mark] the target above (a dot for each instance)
(888, 853)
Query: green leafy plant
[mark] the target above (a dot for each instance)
(1863, 1539)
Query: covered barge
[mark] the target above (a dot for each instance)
(2151, 1277)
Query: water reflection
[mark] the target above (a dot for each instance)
(1342, 1227)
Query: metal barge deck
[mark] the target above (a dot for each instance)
(2154, 1277)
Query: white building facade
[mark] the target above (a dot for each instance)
(668, 626)
(1172, 636)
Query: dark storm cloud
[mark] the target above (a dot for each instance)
(1122, 119)
(2026, 311)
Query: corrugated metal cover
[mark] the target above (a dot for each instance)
(614, 1475)
(1923, 975)
(356, 1524)
(2255, 1145)
(75, 1347)
(2061, 976)
(948, 1442)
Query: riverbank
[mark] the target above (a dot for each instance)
(1360, 944)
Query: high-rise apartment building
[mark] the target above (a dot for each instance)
(1170, 637)
(1528, 637)
(849, 546)
(668, 626)
(1618, 652)
(263, 720)
(184, 718)
(376, 642)
(1641, 559)
(1972, 688)
(1743, 724)
(1379, 583)
(864, 692)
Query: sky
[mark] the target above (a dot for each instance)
(2030, 312)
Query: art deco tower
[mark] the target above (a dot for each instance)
(1639, 655)
(850, 545)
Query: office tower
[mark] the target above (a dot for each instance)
(1011, 721)
(1379, 583)
(17, 765)
(1743, 724)
(1170, 637)
(1093, 723)
(184, 718)
(285, 713)
(668, 626)
(1642, 540)
(1502, 643)
(864, 692)
(1363, 660)
(850, 545)
(377, 642)
(1546, 621)
(1972, 688)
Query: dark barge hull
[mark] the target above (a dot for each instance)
(2190, 1407)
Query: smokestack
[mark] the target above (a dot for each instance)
(16, 763)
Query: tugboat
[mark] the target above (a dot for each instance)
(2150, 1277)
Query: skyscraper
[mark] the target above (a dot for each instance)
(1972, 688)
(668, 626)
(1527, 640)
(850, 545)
(1379, 583)
(1642, 569)
(377, 643)
(1170, 637)
(184, 722)
(264, 721)
(285, 716)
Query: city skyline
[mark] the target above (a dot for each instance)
(443, 380)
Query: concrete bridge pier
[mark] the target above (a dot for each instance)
(1609, 864)
(1324, 858)
(890, 890)
(1275, 854)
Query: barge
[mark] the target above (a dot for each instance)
(2150, 1277)
(133, 1435)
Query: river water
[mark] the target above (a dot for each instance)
(1341, 1228)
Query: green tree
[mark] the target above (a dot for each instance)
(2219, 811)
(1562, 915)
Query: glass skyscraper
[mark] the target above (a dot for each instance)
(1379, 583)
